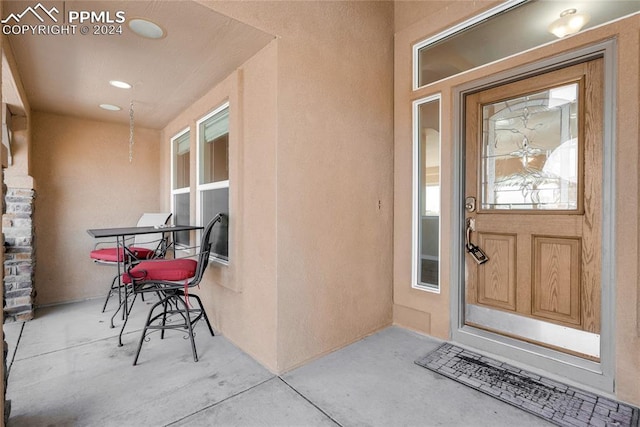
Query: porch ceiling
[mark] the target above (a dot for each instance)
(69, 73)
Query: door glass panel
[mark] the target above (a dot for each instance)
(530, 151)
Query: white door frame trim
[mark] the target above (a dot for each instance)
(554, 363)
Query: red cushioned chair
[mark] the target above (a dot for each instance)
(172, 280)
(143, 247)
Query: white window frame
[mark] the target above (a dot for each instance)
(200, 188)
(176, 191)
(416, 213)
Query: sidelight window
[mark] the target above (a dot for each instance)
(426, 192)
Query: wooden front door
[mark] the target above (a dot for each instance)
(533, 191)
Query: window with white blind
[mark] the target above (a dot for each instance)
(213, 176)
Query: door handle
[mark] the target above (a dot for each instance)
(477, 254)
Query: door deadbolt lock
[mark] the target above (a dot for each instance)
(470, 204)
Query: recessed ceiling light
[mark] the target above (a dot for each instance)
(110, 107)
(120, 84)
(146, 28)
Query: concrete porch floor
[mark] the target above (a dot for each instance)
(66, 369)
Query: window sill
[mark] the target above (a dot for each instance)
(219, 261)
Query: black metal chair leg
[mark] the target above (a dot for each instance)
(122, 305)
(113, 316)
(146, 326)
(151, 317)
(124, 323)
(204, 314)
(189, 326)
(111, 288)
(164, 317)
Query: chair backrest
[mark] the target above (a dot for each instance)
(205, 248)
(151, 241)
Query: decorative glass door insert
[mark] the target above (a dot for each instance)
(530, 158)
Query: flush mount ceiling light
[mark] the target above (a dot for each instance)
(570, 22)
(146, 28)
(110, 107)
(120, 84)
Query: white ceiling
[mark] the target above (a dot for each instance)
(69, 74)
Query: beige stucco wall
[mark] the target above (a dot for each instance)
(627, 198)
(241, 297)
(416, 309)
(85, 181)
(430, 312)
(329, 113)
(334, 177)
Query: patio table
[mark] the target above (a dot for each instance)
(121, 234)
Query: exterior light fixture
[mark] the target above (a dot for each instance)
(146, 28)
(120, 84)
(110, 107)
(570, 22)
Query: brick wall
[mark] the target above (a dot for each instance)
(19, 262)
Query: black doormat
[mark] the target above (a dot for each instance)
(555, 402)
